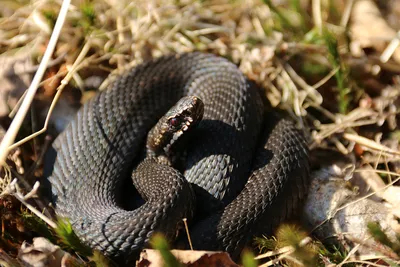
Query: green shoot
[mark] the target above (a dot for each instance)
(160, 243)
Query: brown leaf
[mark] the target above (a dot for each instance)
(151, 257)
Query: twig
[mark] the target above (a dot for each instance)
(354, 250)
(317, 17)
(284, 251)
(288, 250)
(14, 190)
(20, 116)
(275, 252)
(369, 143)
(187, 233)
(367, 263)
(311, 91)
(390, 49)
(346, 13)
(60, 88)
(274, 261)
(326, 78)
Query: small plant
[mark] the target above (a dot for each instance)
(159, 242)
(332, 254)
(70, 239)
(72, 242)
(293, 244)
(381, 237)
(89, 16)
(248, 259)
(50, 16)
(35, 224)
(341, 74)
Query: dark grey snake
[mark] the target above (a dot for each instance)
(94, 157)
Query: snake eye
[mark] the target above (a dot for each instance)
(174, 122)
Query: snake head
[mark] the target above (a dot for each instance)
(175, 124)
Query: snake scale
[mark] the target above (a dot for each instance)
(92, 161)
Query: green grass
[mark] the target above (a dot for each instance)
(160, 243)
(68, 237)
(248, 259)
(342, 74)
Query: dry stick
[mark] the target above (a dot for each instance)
(326, 78)
(317, 17)
(16, 108)
(293, 259)
(29, 70)
(346, 14)
(14, 190)
(369, 143)
(187, 233)
(17, 121)
(32, 69)
(305, 241)
(354, 250)
(387, 253)
(64, 82)
(311, 91)
(20, 100)
(372, 257)
(274, 261)
(390, 49)
(367, 262)
(285, 250)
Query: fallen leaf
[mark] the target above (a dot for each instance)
(153, 258)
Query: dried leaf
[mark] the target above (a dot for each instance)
(151, 257)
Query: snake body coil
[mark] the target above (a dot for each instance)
(93, 159)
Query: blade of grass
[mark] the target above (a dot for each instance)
(160, 243)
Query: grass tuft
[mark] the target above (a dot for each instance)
(344, 89)
(381, 237)
(89, 16)
(248, 259)
(70, 239)
(50, 17)
(292, 245)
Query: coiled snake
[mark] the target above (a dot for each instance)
(93, 159)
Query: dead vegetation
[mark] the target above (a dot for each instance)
(333, 65)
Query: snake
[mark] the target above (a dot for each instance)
(240, 172)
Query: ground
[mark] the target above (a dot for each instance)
(332, 65)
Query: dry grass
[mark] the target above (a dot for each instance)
(304, 57)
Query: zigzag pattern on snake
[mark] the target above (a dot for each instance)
(93, 159)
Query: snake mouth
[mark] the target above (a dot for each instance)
(177, 134)
(179, 120)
